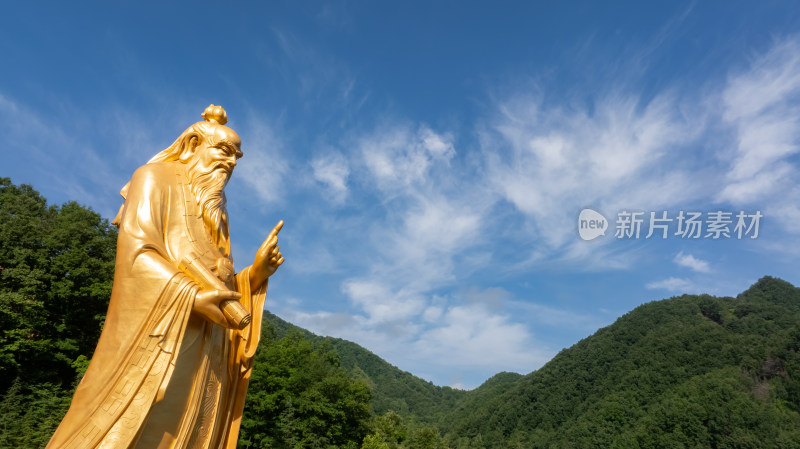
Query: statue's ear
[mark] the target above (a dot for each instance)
(189, 147)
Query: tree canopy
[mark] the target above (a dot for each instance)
(299, 397)
(56, 271)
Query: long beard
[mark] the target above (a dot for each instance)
(207, 187)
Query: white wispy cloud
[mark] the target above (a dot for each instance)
(456, 335)
(399, 156)
(319, 74)
(50, 147)
(470, 336)
(332, 170)
(689, 261)
(550, 162)
(424, 224)
(430, 232)
(264, 167)
(422, 227)
(760, 104)
(381, 303)
(435, 220)
(673, 284)
(549, 316)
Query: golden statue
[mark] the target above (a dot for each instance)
(173, 362)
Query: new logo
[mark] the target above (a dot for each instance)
(591, 224)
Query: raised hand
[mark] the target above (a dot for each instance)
(268, 258)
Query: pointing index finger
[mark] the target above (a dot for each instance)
(275, 230)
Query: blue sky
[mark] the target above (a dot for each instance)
(431, 159)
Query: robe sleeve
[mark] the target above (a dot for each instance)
(245, 344)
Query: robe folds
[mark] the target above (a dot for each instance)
(161, 376)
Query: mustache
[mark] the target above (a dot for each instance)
(199, 172)
(224, 166)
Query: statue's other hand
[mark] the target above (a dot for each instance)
(207, 303)
(268, 258)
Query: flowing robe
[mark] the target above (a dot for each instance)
(162, 376)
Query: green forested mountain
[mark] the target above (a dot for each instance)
(415, 399)
(689, 371)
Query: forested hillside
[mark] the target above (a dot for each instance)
(393, 389)
(56, 268)
(689, 371)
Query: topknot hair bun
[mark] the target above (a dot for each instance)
(215, 114)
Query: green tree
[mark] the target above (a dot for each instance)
(299, 397)
(56, 271)
(374, 441)
(425, 438)
(389, 431)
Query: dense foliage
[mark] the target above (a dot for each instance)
(690, 371)
(415, 399)
(300, 398)
(404, 406)
(56, 269)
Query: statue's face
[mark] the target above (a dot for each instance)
(210, 167)
(218, 152)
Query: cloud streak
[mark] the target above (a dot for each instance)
(673, 284)
(266, 168)
(689, 261)
(761, 105)
(537, 164)
(332, 170)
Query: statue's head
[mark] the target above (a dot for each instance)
(206, 146)
(210, 150)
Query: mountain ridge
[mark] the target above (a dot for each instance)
(610, 388)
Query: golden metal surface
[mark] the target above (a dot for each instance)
(173, 362)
